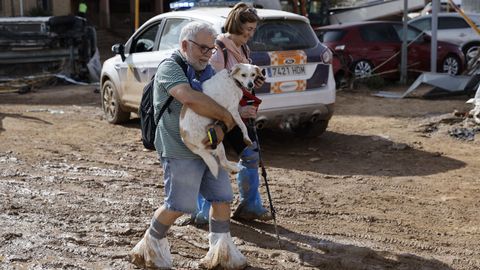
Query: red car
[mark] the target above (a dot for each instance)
(374, 48)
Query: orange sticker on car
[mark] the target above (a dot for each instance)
(281, 59)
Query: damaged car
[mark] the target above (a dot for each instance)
(43, 45)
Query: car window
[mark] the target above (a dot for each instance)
(145, 41)
(377, 32)
(423, 24)
(279, 35)
(171, 33)
(412, 33)
(330, 35)
(451, 23)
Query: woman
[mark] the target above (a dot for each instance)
(240, 26)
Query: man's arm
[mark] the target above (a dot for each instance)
(201, 104)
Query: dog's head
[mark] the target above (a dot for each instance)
(245, 75)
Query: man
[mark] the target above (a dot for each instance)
(185, 174)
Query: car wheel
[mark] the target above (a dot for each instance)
(451, 65)
(310, 129)
(471, 52)
(111, 105)
(362, 69)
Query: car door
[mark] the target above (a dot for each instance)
(134, 73)
(418, 51)
(380, 46)
(454, 28)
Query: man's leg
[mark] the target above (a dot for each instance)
(182, 182)
(222, 251)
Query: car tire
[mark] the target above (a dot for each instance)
(362, 69)
(310, 130)
(111, 104)
(451, 65)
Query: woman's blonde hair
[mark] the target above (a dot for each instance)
(240, 14)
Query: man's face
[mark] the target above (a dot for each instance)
(199, 50)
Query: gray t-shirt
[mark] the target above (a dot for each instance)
(167, 137)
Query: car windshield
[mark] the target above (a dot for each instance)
(282, 35)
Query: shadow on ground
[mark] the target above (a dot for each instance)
(339, 154)
(324, 254)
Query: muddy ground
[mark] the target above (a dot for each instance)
(386, 187)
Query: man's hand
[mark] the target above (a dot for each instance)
(219, 136)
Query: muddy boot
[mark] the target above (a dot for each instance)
(250, 207)
(203, 211)
(151, 253)
(200, 217)
(223, 252)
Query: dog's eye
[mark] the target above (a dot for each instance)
(243, 75)
(253, 75)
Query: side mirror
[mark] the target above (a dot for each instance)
(119, 49)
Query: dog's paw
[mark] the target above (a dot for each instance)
(247, 141)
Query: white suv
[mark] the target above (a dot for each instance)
(299, 93)
(454, 29)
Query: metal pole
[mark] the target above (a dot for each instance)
(433, 55)
(404, 59)
(21, 8)
(137, 11)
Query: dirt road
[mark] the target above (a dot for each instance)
(386, 187)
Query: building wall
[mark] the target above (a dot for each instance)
(11, 8)
(471, 5)
(61, 7)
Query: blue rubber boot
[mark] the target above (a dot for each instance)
(203, 210)
(250, 207)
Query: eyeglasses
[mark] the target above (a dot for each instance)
(204, 49)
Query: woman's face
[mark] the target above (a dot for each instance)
(248, 30)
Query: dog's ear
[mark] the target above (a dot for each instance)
(234, 69)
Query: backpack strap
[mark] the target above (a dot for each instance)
(177, 58)
(225, 51)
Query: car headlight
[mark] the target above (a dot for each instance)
(327, 56)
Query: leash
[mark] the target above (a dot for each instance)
(251, 122)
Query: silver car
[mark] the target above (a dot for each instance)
(299, 92)
(453, 28)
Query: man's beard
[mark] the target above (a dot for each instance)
(197, 65)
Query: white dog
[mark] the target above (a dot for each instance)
(224, 88)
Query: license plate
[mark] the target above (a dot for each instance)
(286, 71)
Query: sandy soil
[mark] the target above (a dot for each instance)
(386, 187)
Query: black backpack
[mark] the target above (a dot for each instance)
(148, 123)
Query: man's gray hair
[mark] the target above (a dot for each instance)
(190, 30)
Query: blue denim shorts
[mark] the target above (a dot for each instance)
(185, 178)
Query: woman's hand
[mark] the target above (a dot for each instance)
(259, 81)
(248, 111)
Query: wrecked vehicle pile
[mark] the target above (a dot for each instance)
(47, 45)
